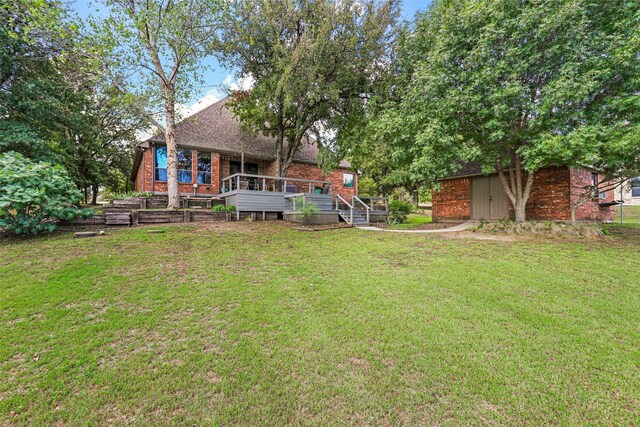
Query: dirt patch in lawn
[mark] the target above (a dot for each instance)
(427, 226)
(317, 227)
(480, 236)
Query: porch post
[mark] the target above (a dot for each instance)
(242, 157)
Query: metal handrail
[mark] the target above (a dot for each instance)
(363, 204)
(279, 178)
(235, 180)
(373, 198)
(294, 197)
(343, 201)
(339, 197)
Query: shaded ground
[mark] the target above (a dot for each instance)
(256, 323)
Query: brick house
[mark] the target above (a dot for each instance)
(210, 147)
(470, 194)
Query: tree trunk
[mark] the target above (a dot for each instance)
(279, 147)
(517, 188)
(172, 151)
(94, 194)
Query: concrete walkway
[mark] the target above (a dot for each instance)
(459, 227)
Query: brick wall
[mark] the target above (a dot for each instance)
(145, 181)
(143, 177)
(549, 199)
(591, 210)
(220, 168)
(453, 201)
(307, 171)
(554, 191)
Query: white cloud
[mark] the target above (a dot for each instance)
(229, 84)
(211, 97)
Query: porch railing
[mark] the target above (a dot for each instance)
(341, 202)
(355, 199)
(295, 201)
(377, 204)
(243, 181)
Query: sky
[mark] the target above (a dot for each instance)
(217, 76)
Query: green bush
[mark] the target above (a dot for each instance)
(223, 208)
(399, 210)
(308, 211)
(34, 196)
(367, 185)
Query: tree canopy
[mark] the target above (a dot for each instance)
(517, 86)
(160, 47)
(313, 65)
(55, 104)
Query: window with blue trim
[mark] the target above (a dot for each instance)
(204, 168)
(161, 163)
(185, 166)
(185, 159)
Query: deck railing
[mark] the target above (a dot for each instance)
(377, 204)
(355, 199)
(244, 181)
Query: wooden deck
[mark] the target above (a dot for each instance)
(269, 194)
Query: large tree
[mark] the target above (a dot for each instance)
(313, 64)
(55, 104)
(518, 86)
(162, 43)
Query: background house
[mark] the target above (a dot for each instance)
(630, 192)
(211, 145)
(470, 194)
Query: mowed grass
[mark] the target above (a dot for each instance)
(258, 324)
(413, 221)
(631, 214)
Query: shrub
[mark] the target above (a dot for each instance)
(35, 195)
(219, 208)
(308, 211)
(399, 211)
(231, 208)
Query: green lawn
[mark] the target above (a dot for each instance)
(413, 221)
(631, 214)
(260, 324)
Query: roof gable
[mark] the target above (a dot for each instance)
(214, 128)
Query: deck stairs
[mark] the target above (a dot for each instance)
(355, 213)
(359, 217)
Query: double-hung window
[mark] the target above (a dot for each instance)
(185, 166)
(204, 168)
(161, 163)
(348, 180)
(185, 172)
(594, 183)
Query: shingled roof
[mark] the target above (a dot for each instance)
(467, 169)
(216, 129)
